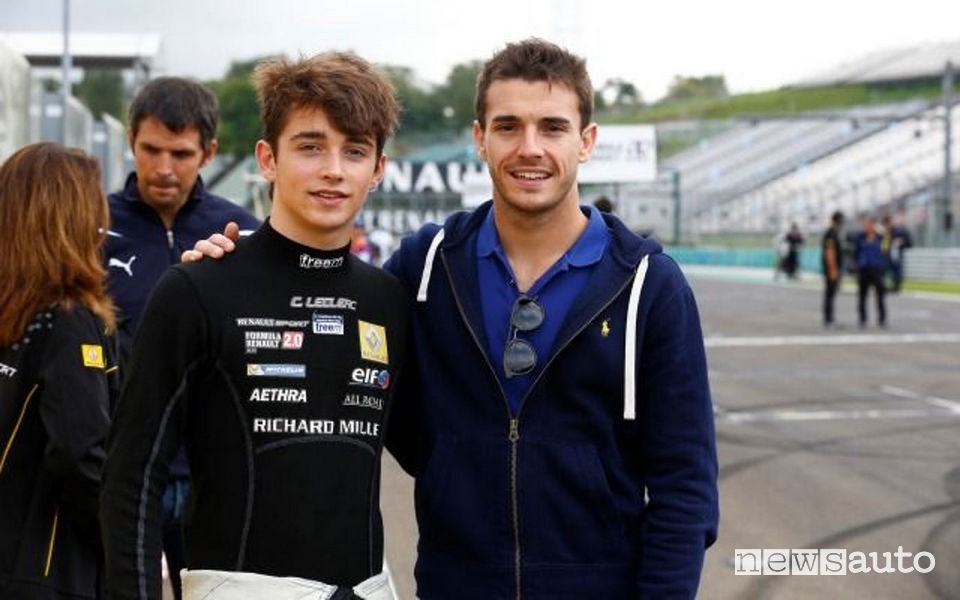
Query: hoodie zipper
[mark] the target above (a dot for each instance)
(513, 435)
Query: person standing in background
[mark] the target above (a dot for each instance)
(896, 240)
(163, 209)
(832, 261)
(791, 260)
(871, 266)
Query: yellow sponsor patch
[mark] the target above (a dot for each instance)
(92, 355)
(373, 342)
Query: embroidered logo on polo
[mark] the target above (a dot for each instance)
(373, 342)
(327, 324)
(276, 370)
(93, 356)
(312, 262)
(7, 370)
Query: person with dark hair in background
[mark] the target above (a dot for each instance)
(603, 204)
(275, 369)
(162, 210)
(793, 239)
(832, 261)
(57, 373)
(896, 240)
(871, 266)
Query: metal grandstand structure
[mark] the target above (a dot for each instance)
(767, 172)
(27, 114)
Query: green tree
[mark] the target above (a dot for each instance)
(239, 114)
(620, 93)
(455, 96)
(419, 111)
(101, 90)
(708, 86)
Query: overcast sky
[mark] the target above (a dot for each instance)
(756, 44)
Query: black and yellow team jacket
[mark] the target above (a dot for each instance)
(56, 386)
(275, 368)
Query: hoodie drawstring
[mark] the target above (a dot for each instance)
(428, 267)
(630, 351)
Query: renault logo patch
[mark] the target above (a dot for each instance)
(92, 356)
(373, 342)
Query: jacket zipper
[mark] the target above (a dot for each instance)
(170, 238)
(513, 436)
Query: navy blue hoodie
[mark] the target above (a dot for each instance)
(139, 247)
(604, 484)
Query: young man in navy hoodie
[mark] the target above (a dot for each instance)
(556, 412)
(273, 368)
(558, 418)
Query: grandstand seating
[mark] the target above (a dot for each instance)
(878, 169)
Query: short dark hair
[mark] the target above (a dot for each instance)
(357, 98)
(533, 60)
(178, 103)
(837, 217)
(603, 204)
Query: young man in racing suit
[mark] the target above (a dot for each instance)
(273, 367)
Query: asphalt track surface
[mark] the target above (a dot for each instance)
(845, 439)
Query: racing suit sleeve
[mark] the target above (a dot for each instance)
(74, 409)
(146, 433)
(679, 455)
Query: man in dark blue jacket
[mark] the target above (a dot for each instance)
(872, 263)
(162, 210)
(558, 418)
(556, 412)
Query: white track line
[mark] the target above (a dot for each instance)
(830, 340)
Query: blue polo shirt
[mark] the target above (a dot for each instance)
(555, 290)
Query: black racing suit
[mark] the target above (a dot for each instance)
(275, 368)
